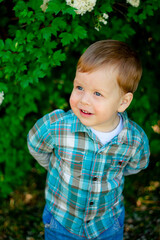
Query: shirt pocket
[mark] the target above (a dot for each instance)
(71, 161)
(118, 164)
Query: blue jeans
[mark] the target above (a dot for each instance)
(55, 231)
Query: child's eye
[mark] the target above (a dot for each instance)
(79, 88)
(98, 94)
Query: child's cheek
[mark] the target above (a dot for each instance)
(72, 100)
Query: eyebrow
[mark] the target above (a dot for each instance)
(77, 81)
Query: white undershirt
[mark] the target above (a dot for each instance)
(106, 137)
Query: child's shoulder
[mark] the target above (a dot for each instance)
(136, 129)
(59, 115)
(138, 134)
(135, 134)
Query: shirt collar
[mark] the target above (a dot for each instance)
(77, 126)
(125, 136)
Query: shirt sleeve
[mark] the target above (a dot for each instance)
(40, 142)
(140, 158)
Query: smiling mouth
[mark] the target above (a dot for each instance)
(85, 112)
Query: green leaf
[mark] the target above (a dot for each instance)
(19, 6)
(79, 32)
(58, 56)
(58, 23)
(3, 87)
(44, 66)
(7, 57)
(35, 4)
(52, 44)
(24, 84)
(69, 10)
(66, 38)
(24, 13)
(106, 7)
(46, 32)
(8, 44)
(30, 37)
(40, 16)
(54, 7)
(21, 36)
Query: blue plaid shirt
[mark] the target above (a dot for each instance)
(85, 178)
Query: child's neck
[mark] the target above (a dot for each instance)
(106, 137)
(112, 127)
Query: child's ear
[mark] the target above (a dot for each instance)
(125, 101)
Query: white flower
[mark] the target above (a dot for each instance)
(134, 3)
(97, 28)
(102, 18)
(105, 16)
(1, 97)
(44, 6)
(82, 6)
(103, 21)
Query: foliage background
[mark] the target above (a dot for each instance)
(38, 55)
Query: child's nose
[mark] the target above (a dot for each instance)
(85, 99)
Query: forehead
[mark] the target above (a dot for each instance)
(105, 77)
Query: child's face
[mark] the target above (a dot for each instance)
(96, 98)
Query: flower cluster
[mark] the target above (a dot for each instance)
(1, 97)
(134, 3)
(82, 6)
(101, 19)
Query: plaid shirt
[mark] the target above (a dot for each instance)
(85, 178)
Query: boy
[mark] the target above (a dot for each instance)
(88, 150)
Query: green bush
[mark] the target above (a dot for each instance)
(39, 49)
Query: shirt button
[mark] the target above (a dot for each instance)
(91, 203)
(95, 179)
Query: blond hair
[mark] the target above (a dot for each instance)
(117, 54)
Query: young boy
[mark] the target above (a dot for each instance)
(88, 150)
